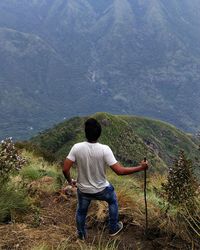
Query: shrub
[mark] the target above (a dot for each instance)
(181, 185)
(10, 160)
(12, 196)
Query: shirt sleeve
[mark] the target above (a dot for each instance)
(109, 157)
(72, 154)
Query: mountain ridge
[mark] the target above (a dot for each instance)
(128, 56)
(131, 138)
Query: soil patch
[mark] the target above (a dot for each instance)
(52, 222)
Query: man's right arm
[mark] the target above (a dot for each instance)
(121, 170)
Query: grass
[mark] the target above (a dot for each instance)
(69, 244)
(38, 169)
(14, 195)
(170, 220)
(12, 198)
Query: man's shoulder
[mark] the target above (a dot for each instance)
(84, 144)
(79, 144)
(104, 146)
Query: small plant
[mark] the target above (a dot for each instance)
(12, 198)
(12, 195)
(10, 160)
(181, 185)
(181, 194)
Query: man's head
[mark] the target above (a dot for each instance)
(92, 130)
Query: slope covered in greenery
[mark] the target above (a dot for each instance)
(37, 211)
(131, 139)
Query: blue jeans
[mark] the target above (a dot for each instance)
(84, 199)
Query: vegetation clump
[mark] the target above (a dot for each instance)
(12, 194)
(182, 196)
(10, 159)
(181, 184)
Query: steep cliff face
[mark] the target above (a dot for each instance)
(82, 56)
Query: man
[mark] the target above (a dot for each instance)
(92, 158)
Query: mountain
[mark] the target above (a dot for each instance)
(131, 138)
(29, 72)
(64, 58)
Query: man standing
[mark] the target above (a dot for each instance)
(92, 158)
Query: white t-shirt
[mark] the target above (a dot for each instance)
(92, 160)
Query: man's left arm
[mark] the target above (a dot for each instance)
(66, 171)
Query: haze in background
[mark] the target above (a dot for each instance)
(64, 58)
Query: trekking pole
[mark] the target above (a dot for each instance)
(145, 199)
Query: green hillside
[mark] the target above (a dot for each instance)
(37, 211)
(131, 139)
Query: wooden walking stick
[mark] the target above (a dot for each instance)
(149, 233)
(145, 199)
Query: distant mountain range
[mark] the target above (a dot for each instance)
(64, 58)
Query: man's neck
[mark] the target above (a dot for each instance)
(92, 141)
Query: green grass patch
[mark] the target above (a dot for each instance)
(12, 199)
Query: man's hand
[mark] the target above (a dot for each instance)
(144, 164)
(72, 183)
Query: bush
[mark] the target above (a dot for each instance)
(10, 160)
(12, 196)
(181, 185)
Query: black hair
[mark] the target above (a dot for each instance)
(92, 130)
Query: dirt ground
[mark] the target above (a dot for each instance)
(53, 224)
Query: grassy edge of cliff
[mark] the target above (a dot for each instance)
(49, 222)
